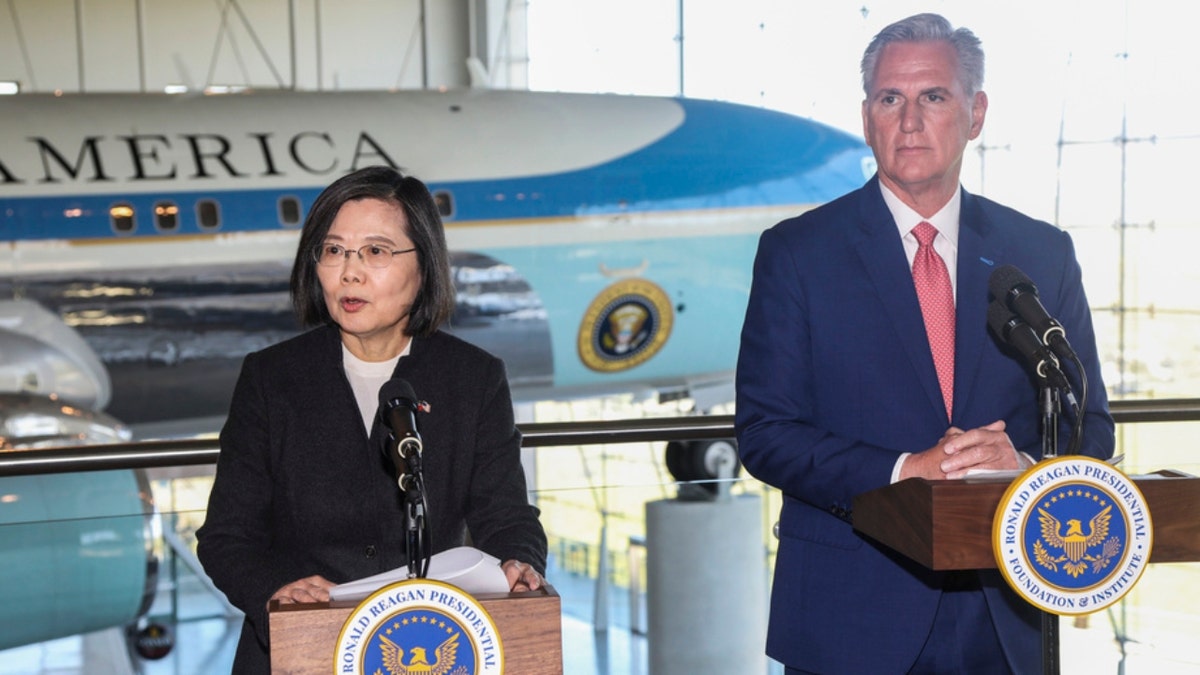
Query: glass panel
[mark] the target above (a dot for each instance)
(599, 506)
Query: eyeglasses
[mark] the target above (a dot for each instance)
(372, 255)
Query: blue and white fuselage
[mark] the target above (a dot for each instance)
(599, 244)
(602, 243)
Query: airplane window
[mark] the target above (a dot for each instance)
(166, 216)
(445, 203)
(208, 214)
(122, 218)
(289, 211)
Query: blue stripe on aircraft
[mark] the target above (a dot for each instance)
(756, 157)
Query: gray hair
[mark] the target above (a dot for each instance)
(928, 28)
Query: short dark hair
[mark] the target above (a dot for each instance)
(434, 303)
(928, 28)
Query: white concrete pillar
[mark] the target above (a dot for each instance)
(705, 588)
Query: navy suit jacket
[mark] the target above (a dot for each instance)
(835, 379)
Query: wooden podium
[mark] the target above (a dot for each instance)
(304, 636)
(947, 525)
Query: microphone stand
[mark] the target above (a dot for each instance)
(412, 484)
(1051, 406)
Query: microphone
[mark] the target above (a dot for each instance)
(1013, 330)
(398, 405)
(1016, 290)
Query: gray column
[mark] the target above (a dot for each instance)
(706, 586)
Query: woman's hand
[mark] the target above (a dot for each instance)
(521, 576)
(309, 589)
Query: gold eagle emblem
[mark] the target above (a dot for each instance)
(1074, 545)
(418, 664)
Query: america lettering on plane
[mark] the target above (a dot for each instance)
(194, 156)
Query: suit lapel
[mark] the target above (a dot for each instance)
(882, 255)
(978, 252)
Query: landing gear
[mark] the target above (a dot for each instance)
(703, 467)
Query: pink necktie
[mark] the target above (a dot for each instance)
(937, 306)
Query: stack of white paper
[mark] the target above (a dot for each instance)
(468, 568)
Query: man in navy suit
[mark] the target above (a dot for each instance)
(838, 392)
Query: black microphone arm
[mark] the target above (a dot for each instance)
(1012, 330)
(1018, 292)
(1020, 295)
(398, 406)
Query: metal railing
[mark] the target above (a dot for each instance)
(157, 454)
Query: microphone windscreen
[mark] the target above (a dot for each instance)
(1006, 278)
(396, 388)
(998, 315)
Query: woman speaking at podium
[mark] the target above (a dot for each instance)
(305, 495)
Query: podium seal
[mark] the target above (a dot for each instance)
(1072, 535)
(419, 626)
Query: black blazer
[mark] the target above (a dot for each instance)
(301, 489)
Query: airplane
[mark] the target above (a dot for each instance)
(600, 243)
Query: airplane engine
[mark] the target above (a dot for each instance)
(75, 548)
(705, 462)
(44, 355)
